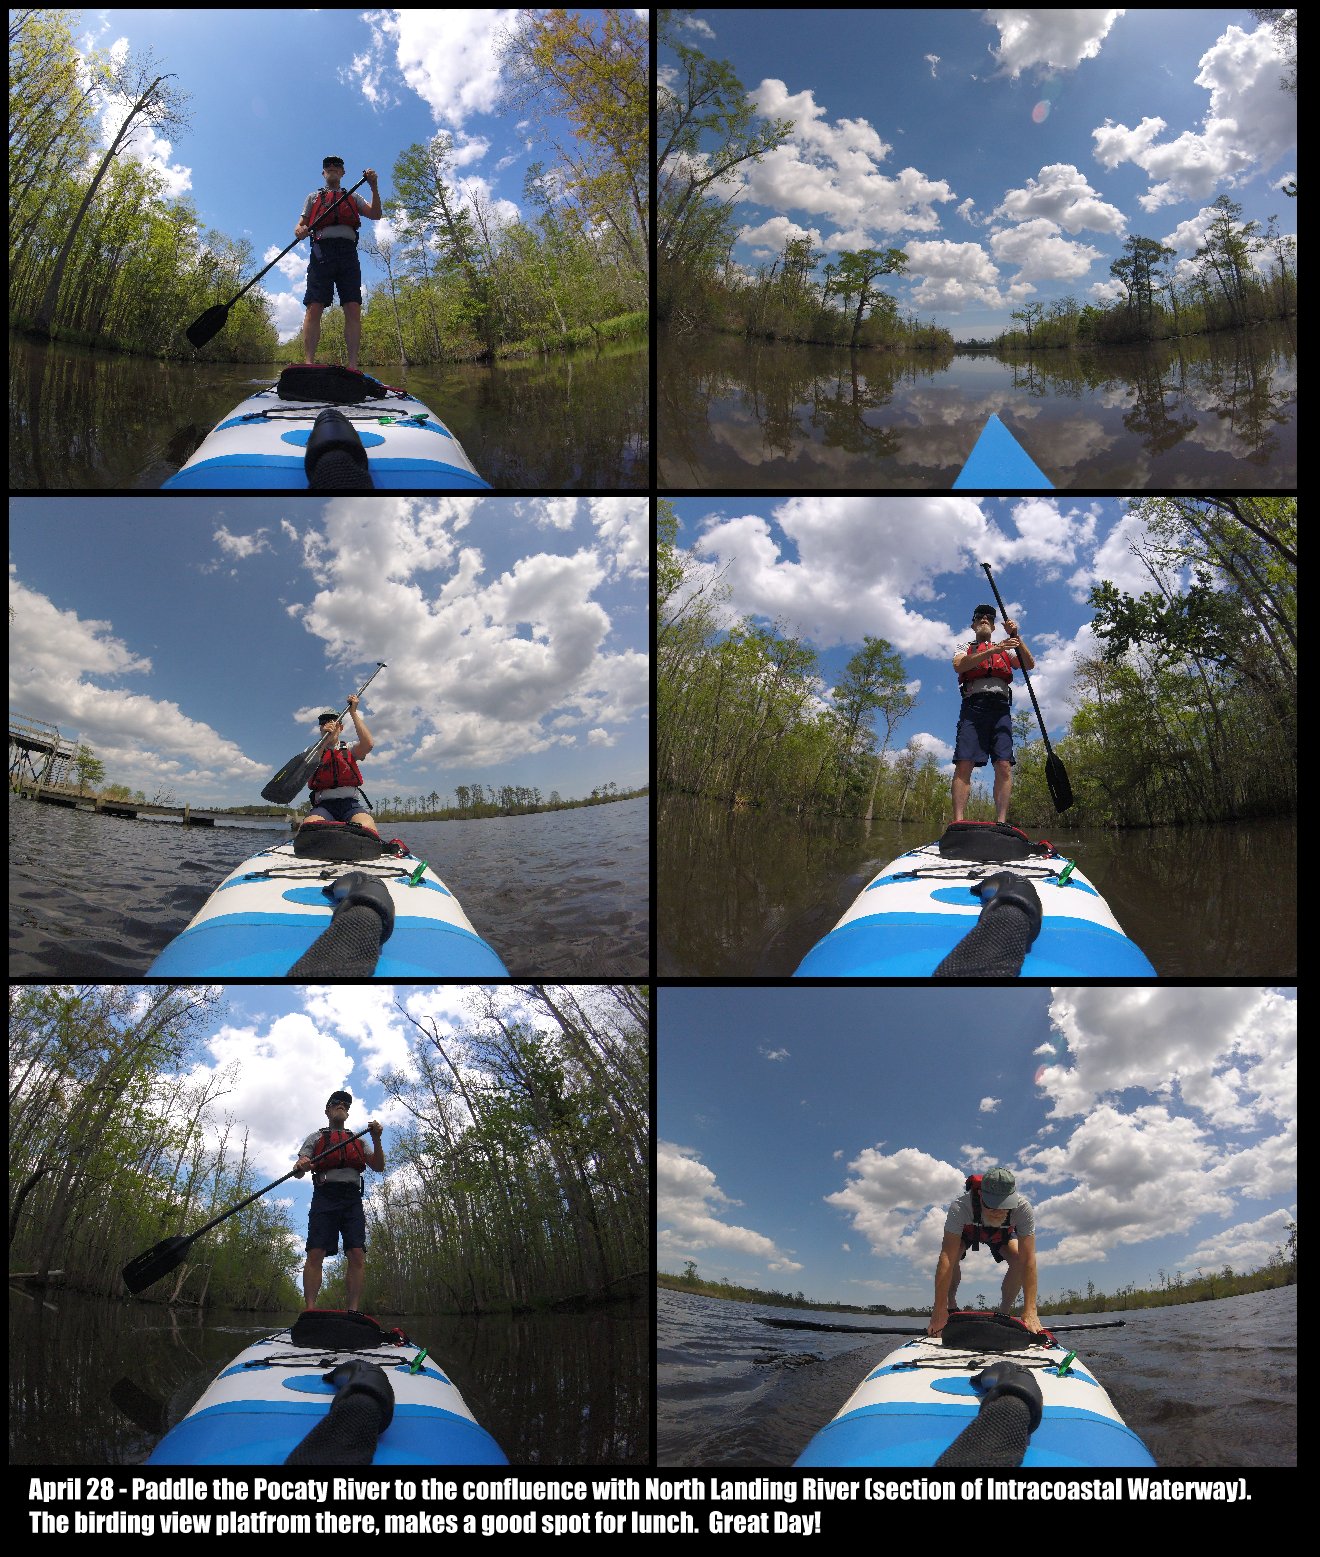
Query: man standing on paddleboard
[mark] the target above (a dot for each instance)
(336, 785)
(336, 1209)
(989, 1211)
(337, 216)
(985, 720)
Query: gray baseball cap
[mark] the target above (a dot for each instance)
(999, 1190)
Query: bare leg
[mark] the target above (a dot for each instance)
(312, 331)
(962, 788)
(1003, 789)
(355, 1276)
(352, 331)
(312, 1276)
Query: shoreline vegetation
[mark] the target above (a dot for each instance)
(1280, 1270)
(1187, 712)
(517, 1183)
(1242, 276)
(508, 800)
(102, 256)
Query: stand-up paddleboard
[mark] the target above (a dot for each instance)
(262, 445)
(914, 912)
(913, 1405)
(999, 463)
(270, 910)
(266, 1401)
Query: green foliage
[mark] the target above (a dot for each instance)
(101, 255)
(526, 1175)
(1232, 287)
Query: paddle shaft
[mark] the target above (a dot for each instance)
(1004, 614)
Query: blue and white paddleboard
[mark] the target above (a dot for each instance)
(273, 1394)
(267, 912)
(911, 1406)
(999, 463)
(907, 919)
(262, 443)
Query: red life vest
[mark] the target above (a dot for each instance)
(997, 665)
(975, 1233)
(347, 1153)
(345, 213)
(337, 770)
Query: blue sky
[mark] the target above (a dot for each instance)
(191, 642)
(1009, 152)
(274, 91)
(811, 1139)
(833, 569)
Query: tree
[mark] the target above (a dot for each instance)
(704, 133)
(873, 682)
(147, 102)
(857, 272)
(595, 74)
(91, 770)
(1139, 270)
(1227, 252)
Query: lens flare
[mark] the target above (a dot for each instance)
(1040, 112)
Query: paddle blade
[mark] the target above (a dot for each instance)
(1056, 776)
(294, 775)
(208, 326)
(147, 1268)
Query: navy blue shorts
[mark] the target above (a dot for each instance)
(985, 731)
(336, 1211)
(342, 810)
(337, 266)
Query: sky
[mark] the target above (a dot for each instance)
(273, 1054)
(907, 569)
(811, 1139)
(1008, 152)
(274, 91)
(192, 643)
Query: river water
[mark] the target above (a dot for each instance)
(81, 418)
(747, 893)
(1202, 1383)
(557, 893)
(1213, 413)
(99, 1383)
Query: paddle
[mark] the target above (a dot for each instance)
(213, 320)
(1056, 775)
(806, 1324)
(297, 770)
(144, 1269)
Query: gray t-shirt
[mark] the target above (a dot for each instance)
(313, 1144)
(1021, 1219)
